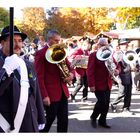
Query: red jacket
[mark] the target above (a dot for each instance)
(97, 74)
(49, 76)
(77, 53)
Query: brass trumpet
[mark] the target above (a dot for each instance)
(56, 54)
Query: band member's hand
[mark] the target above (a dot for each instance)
(78, 56)
(69, 79)
(134, 69)
(92, 89)
(116, 72)
(11, 63)
(47, 101)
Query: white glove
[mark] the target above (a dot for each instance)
(11, 63)
(41, 126)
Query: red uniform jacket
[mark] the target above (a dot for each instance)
(49, 76)
(97, 74)
(77, 53)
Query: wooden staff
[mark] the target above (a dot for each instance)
(11, 30)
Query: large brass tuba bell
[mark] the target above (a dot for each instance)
(56, 54)
(105, 54)
(130, 57)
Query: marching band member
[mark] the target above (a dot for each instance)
(128, 69)
(137, 71)
(21, 110)
(100, 82)
(71, 49)
(80, 72)
(53, 87)
(125, 87)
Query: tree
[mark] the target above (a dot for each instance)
(4, 17)
(128, 17)
(34, 21)
(77, 21)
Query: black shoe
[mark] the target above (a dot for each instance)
(83, 99)
(104, 125)
(113, 108)
(93, 123)
(72, 98)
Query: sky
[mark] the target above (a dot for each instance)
(69, 3)
(47, 4)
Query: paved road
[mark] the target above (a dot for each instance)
(79, 116)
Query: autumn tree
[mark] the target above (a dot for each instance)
(77, 21)
(128, 17)
(34, 21)
(4, 17)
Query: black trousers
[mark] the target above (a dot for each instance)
(101, 106)
(81, 82)
(60, 110)
(125, 92)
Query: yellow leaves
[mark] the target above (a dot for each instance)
(77, 21)
(34, 19)
(4, 17)
(127, 12)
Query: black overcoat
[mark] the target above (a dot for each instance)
(34, 113)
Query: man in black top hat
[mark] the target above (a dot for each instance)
(21, 107)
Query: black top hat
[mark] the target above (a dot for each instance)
(5, 33)
(123, 41)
